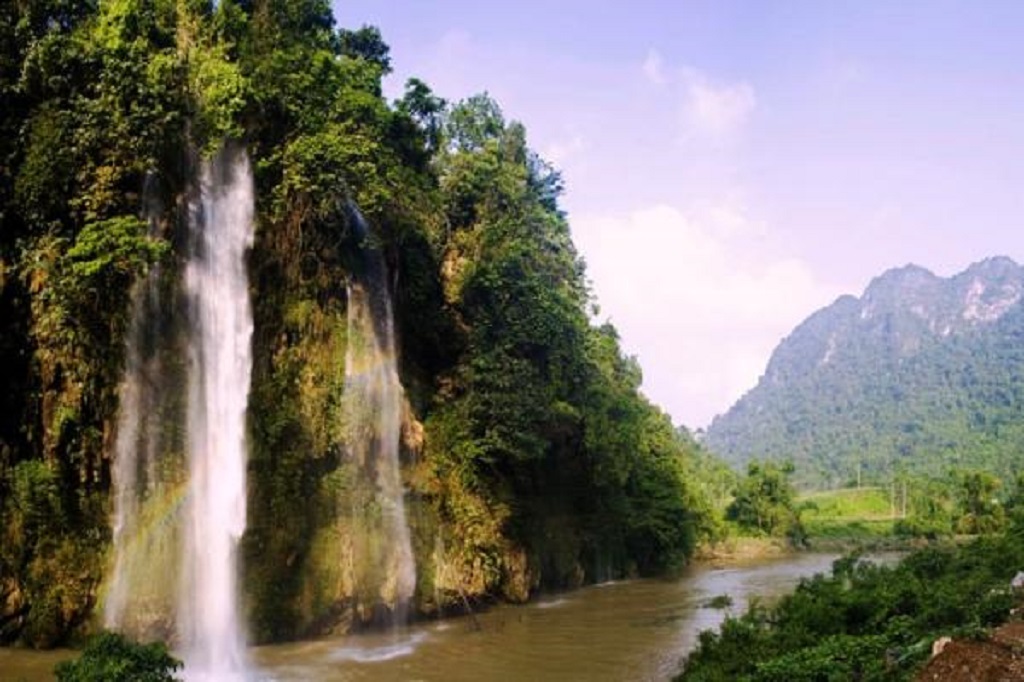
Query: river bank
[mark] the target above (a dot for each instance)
(741, 550)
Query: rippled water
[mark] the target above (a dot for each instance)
(630, 630)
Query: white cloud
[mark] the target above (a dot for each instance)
(710, 109)
(653, 69)
(699, 296)
(713, 109)
(561, 151)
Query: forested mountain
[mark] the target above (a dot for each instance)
(529, 457)
(920, 374)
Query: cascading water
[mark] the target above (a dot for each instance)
(220, 362)
(136, 596)
(188, 516)
(373, 414)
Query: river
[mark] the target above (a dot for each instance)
(627, 630)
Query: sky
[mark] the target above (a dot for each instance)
(731, 167)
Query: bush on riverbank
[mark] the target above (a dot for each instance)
(866, 621)
(110, 657)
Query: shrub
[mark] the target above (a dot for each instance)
(110, 657)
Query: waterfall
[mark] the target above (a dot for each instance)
(373, 414)
(220, 362)
(135, 596)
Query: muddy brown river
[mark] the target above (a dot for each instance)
(629, 630)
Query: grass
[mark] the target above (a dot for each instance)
(852, 515)
(851, 519)
(848, 503)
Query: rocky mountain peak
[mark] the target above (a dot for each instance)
(912, 342)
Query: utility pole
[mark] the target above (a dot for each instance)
(892, 499)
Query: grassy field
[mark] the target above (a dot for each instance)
(849, 515)
(851, 519)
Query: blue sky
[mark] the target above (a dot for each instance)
(733, 166)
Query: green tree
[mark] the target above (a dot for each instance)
(425, 109)
(978, 503)
(931, 509)
(367, 44)
(764, 501)
(543, 410)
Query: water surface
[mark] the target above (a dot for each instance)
(630, 630)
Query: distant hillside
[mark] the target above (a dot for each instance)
(919, 374)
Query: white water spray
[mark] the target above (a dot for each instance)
(220, 362)
(129, 603)
(373, 409)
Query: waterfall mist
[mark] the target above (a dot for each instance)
(145, 490)
(373, 415)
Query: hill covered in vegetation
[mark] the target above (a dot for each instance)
(918, 375)
(529, 457)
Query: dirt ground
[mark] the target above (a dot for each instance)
(997, 659)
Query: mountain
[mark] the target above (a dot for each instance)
(919, 374)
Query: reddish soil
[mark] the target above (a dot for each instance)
(1000, 658)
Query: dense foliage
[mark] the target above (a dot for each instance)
(530, 457)
(764, 501)
(866, 621)
(966, 501)
(911, 508)
(110, 657)
(918, 375)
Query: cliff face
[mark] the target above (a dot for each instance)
(528, 456)
(919, 373)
